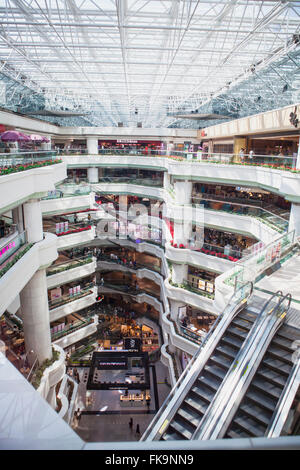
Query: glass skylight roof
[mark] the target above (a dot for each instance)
(142, 61)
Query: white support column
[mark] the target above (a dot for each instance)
(17, 217)
(166, 180)
(35, 315)
(298, 156)
(183, 192)
(51, 398)
(179, 273)
(174, 306)
(33, 221)
(182, 232)
(92, 145)
(295, 219)
(92, 174)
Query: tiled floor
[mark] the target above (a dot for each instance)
(110, 425)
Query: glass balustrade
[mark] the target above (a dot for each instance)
(155, 182)
(64, 299)
(272, 220)
(71, 328)
(71, 264)
(22, 158)
(68, 190)
(11, 243)
(133, 265)
(284, 162)
(66, 228)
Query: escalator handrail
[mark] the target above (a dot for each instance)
(279, 293)
(228, 309)
(287, 296)
(283, 407)
(239, 372)
(248, 344)
(232, 371)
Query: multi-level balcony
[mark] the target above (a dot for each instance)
(76, 300)
(69, 270)
(67, 198)
(77, 328)
(69, 233)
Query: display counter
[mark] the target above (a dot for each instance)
(133, 399)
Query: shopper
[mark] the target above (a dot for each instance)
(138, 429)
(130, 423)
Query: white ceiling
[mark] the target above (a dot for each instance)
(137, 60)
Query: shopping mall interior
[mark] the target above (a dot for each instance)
(149, 225)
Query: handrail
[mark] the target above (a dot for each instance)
(239, 374)
(228, 309)
(286, 297)
(283, 405)
(70, 261)
(252, 207)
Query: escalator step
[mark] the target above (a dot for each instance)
(283, 342)
(189, 416)
(238, 332)
(247, 315)
(171, 436)
(231, 341)
(241, 323)
(225, 350)
(249, 426)
(256, 413)
(221, 360)
(209, 382)
(257, 397)
(271, 390)
(275, 364)
(270, 376)
(215, 371)
(236, 434)
(203, 393)
(180, 429)
(279, 353)
(199, 406)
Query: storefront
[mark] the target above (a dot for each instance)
(239, 194)
(201, 279)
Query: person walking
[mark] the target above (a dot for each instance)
(138, 429)
(130, 424)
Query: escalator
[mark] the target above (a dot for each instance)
(257, 409)
(192, 409)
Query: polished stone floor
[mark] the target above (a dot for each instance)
(104, 420)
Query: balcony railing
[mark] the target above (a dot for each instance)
(69, 190)
(224, 252)
(15, 162)
(282, 162)
(132, 180)
(65, 299)
(11, 243)
(69, 229)
(128, 289)
(70, 264)
(268, 218)
(71, 328)
(135, 266)
(188, 285)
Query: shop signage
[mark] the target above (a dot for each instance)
(293, 118)
(126, 141)
(132, 344)
(112, 363)
(6, 248)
